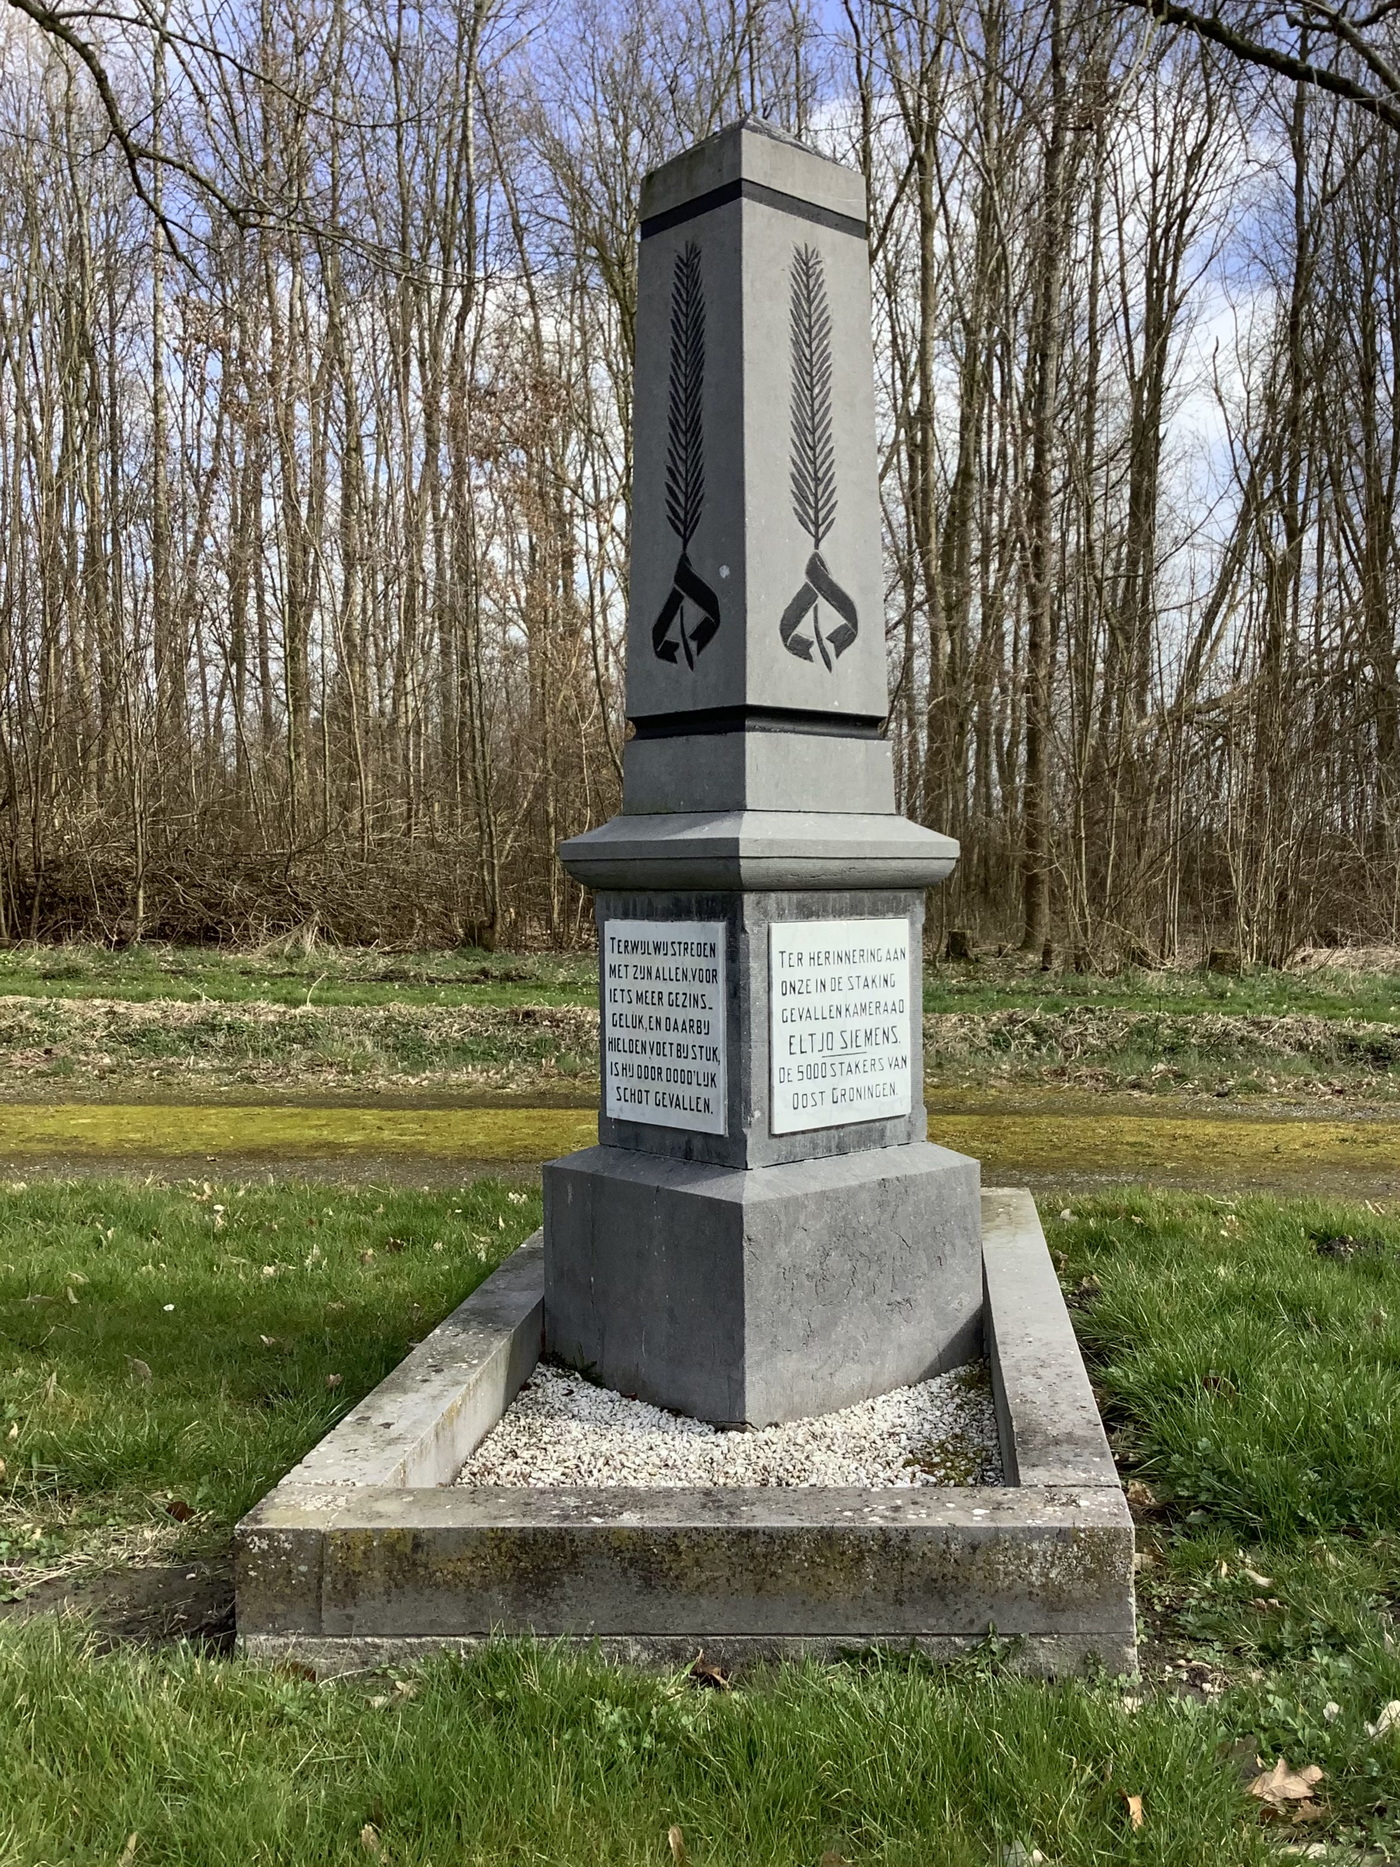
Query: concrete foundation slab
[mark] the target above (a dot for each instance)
(347, 1564)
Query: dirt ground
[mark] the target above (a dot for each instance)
(153, 1606)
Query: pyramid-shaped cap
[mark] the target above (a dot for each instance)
(762, 155)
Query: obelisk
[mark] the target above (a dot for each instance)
(764, 1231)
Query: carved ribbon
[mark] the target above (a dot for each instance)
(820, 586)
(686, 584)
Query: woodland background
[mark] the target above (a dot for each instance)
(314, 460)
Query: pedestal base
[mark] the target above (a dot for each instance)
(767, 1295)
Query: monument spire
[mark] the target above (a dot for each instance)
(756, 680)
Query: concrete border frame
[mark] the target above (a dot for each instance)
(366, 1554)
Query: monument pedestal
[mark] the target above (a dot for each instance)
(765, 1233)
(367, 1553)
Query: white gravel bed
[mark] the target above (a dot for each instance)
(562, 1430)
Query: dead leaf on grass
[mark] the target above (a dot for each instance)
(1084, 1292)
(704, 1672)
(1259, 1581)
(369, 1839)
(1388, 1720)
(128, 1853)
(677, 1845)
(1345, 1246)
(180, 1510)
(1142, 1499)
(1136, 1818)
(334, 1380)
(140, 1371)
(1280, 1786)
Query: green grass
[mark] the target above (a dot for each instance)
(187, 1345)
(515, 1757)
(1163, 1053)
(1253, 1379)
(192, 1048)
(1004, 985)
(1249, 1381)
(282, 973)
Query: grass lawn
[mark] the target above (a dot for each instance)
(519, 1757)
(157, 1023)
(182, 1346)
(1323, 992)
(283, 973)
(1249, 1366)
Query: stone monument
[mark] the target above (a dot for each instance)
(764, 1231)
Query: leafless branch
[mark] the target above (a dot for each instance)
(1383, 105)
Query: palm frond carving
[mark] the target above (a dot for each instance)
(813, 451)
(685, 450)
(689, 618)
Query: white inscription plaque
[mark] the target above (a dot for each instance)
(663, 1023)
(838, 1022)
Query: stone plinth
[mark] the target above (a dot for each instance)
(754, 1297)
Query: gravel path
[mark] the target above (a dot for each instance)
(561, 1430)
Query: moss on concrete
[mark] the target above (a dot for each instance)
(179, 1130)
(1074, 1137)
